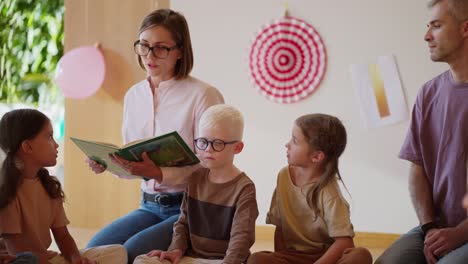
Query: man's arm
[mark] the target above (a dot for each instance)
(421, 194)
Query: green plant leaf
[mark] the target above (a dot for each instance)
(30, 48)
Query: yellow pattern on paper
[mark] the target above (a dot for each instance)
(379, 90)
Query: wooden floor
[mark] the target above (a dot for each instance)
(268, 245)
(82, 236)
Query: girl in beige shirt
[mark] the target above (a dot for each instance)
(311, 216)
(31, 201)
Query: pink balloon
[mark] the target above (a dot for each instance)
(80, 72)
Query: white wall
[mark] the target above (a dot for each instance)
(354, 32)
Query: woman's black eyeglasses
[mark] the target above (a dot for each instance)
(158, 51)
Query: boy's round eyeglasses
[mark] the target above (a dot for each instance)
(217, 144)
(160, 52)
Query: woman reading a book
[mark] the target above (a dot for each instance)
(169, 99)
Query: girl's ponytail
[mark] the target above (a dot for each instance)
(51, 184)
(331, 169)
(10, 180)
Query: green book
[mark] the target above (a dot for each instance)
(168, 150)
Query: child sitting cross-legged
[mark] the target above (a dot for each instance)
(311, 216)
(31, 200)
(218, 213)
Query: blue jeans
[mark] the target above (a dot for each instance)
(25, 258)
(409, 249)
(140, 231)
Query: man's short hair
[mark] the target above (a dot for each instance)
(458, 8)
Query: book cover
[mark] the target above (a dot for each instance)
(168, 150)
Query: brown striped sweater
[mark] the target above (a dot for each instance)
(217, 221)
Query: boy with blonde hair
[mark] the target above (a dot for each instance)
(219, 209)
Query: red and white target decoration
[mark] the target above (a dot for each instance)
(287, 60)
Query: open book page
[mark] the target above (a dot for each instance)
(168, 150)
(135, 142)
(99, 152)
(105, 144)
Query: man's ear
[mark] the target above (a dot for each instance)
(317, 156)
(239, 147)
(465, 28)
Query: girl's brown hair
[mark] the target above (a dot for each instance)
(327, 134)
(175, 23)
(15, 127)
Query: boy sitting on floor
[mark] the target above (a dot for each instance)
(218, 213)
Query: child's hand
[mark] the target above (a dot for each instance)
(174, 255)
(95, 166)
(82, 260)
(5, 258)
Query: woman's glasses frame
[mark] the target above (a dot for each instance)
(159, 51)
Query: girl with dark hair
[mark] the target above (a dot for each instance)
(311, 216)
(169, 99)
(31, 200)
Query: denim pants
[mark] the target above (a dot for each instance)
(25, 258)
(148, 228)
(409, 249)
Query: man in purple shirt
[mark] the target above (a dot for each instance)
(437, 147)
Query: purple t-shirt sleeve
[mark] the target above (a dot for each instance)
(411, 149)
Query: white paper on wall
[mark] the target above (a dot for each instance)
(379, 92)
